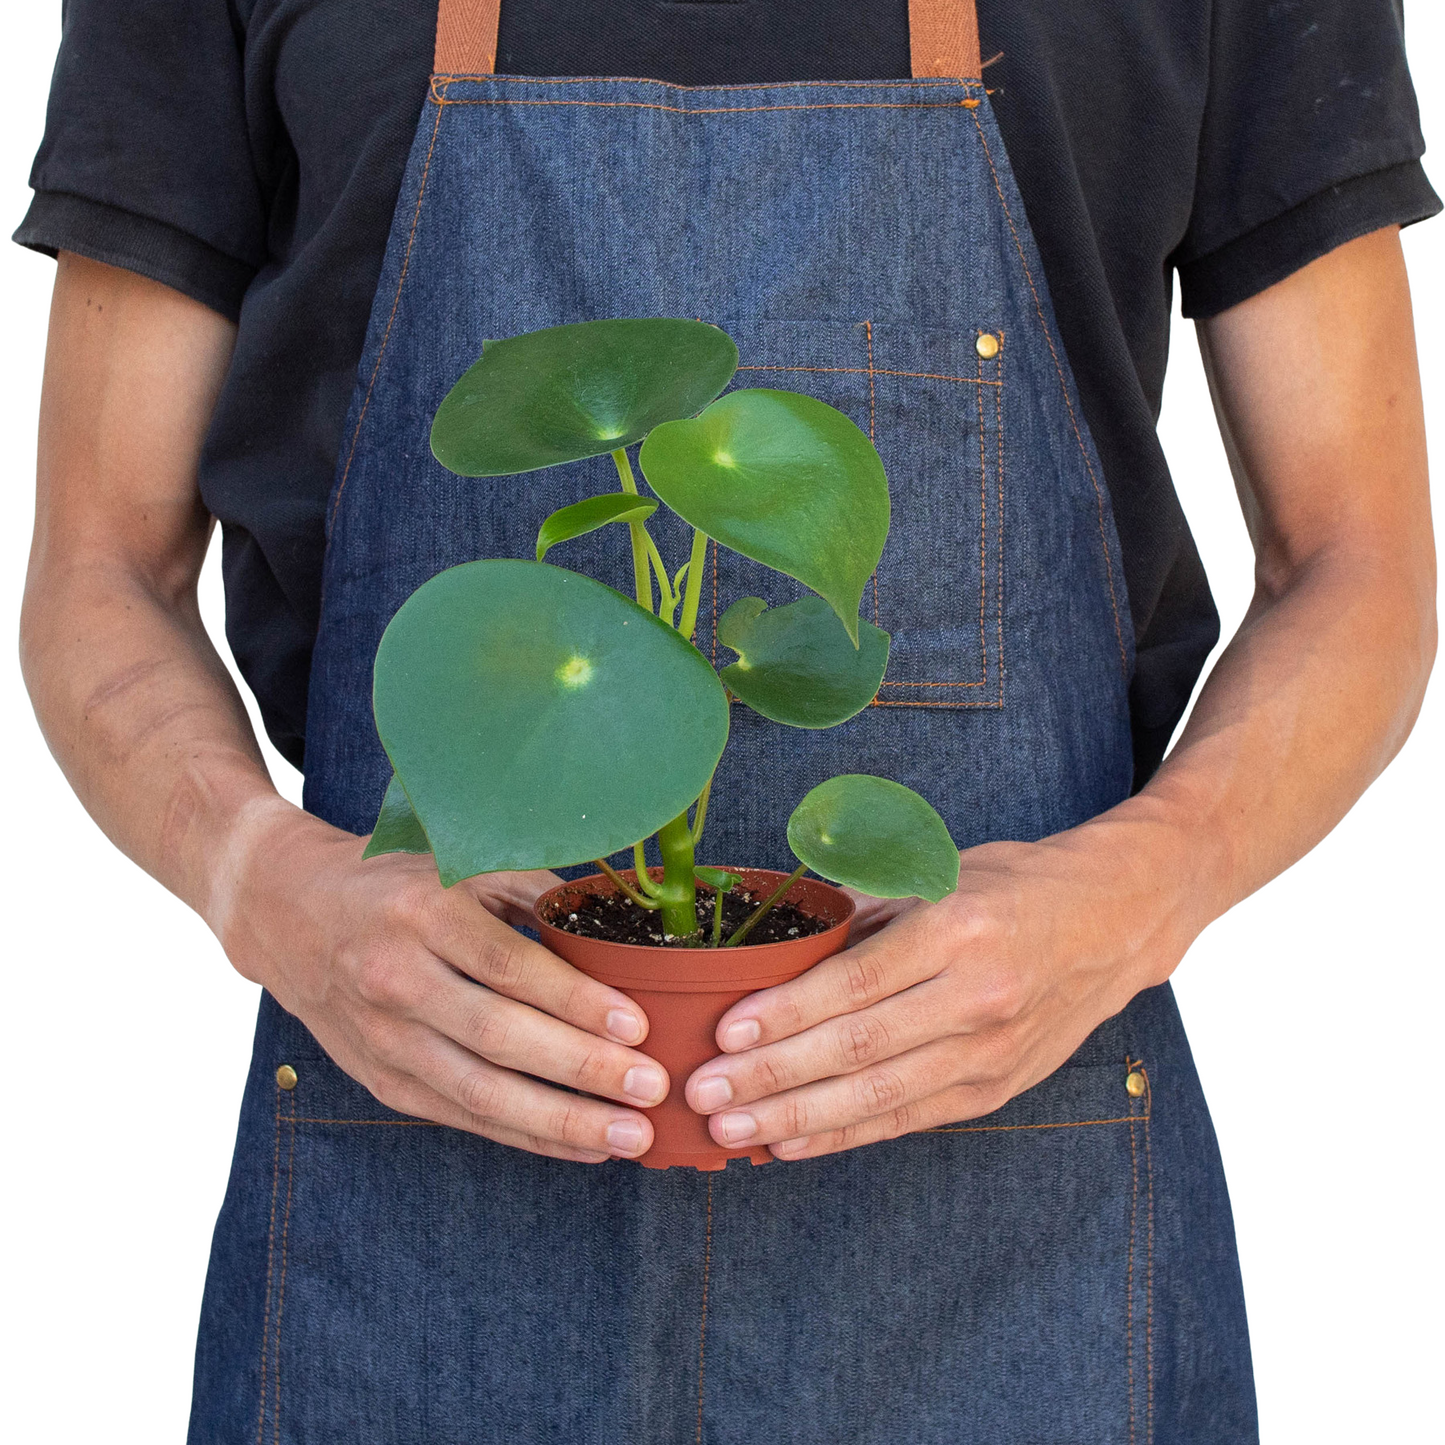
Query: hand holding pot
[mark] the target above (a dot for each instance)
(946, 1011)
(429, 998)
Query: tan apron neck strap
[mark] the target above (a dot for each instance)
(942, 37)
(467, 36)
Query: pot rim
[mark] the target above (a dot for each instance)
(749, 965)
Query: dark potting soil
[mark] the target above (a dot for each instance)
(617, 919)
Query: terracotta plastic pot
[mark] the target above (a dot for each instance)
(686, 991)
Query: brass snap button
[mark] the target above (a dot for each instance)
(987, 345)
(286, 1077)
(1136, 1084)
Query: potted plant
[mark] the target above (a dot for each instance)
(536, 718)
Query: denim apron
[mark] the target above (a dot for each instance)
(1061, 1272)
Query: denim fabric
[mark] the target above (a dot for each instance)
(1061, 1271)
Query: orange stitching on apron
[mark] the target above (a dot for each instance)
(1149, 1273)
(1015, 1128)
(982, 525)
(1129, 1277)
(723, 109)
(281, 1286)
(270, 1266)
(702, 1324)
(907, 82)
(1068, 404)
(872, 371)
(872, 434)
(998, 417)
(395, 303)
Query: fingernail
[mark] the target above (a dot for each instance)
(712, 1093)
(644, 1084)
(789, 1147)
(625, 1027)
(742, 1034)
(737, 1127)
(625, 1137)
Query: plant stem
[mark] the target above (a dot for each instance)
(667, 608)
(678, 894)
(699, 818)
(641, 573)
(644, 878)
(626, 887)
(695, 567)
(763, 909)
(717, 909)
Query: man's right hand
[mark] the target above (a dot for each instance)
(428, 996)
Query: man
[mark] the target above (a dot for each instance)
(161, 411)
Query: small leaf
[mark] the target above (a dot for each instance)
(537, 718)
(784, 479)
(569, 392)
(716, 878)
(590, 514)
(876, 836)
(796, 665)
(398, 829)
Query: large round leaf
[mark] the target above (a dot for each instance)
(876, 836)
(537, 718)
(796, 665)
(784, 479)
(577, 391)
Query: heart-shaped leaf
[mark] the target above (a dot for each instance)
(796, 665)
(570, 392)
(398, 829)
(588, 515)
(784, 479)
(537, 718)
(876, 836)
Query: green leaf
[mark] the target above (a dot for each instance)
(784, 479)
(398, 829)
(876, 836)
(537, 718)
(590, 514)
(796, 665)
(570, 392)
(716, 878)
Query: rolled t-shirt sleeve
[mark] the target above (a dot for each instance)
(1311, 138)
(146, 161)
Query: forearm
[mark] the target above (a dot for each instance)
(144, 720)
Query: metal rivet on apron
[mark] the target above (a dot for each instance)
(1136, 1084)
(987, 345)
(286, 1076)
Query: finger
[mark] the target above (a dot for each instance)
(511, 895)
(459, 930)
(949, 1106)
(891, 1087)
(896, 958)
(411, 1096)
(525, 1106)
(836, 1046)
(516, 1036)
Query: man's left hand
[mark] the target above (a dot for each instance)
(944, 1012)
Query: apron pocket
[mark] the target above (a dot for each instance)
(932, 400)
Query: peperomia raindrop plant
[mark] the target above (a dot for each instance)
(536, 718)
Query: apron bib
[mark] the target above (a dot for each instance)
(1061, 1271)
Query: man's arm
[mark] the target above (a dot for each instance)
(952, 1009)
(425, 995)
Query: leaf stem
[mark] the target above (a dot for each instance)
(641, 573)
(667, 608)
(717, 911)
(696, 565)
(763, 909)
(644, 877)
(649, 903)
(699, 817)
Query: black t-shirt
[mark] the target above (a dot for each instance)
(249, 153)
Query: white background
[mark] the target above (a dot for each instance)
(1314, 1008)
